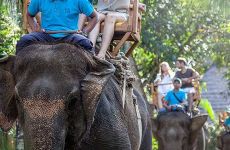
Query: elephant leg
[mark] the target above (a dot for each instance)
(147, 139)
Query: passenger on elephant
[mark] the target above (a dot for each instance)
(227, 120)
(110, 12)
(175, 99)
(187, 75)
(163, 81)
(56, 16)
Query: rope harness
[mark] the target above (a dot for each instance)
(125, 78)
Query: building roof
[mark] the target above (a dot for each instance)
(217, 92)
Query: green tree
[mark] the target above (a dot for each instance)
(178, 28)
(9, 32)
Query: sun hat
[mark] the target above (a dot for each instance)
(177, 80)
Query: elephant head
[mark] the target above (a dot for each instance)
(176, 131)
(223, 141)
(57, 88)
(8, 109)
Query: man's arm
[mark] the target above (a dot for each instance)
(184, 98)
(32, 23)
(166, 102)
(32, 10)
(195, 75)
(92, 22)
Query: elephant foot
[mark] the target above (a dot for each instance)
(5, 124)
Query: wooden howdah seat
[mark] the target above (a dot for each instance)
(126, 31)
(154, 93)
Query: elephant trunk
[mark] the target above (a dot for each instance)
(44, 124)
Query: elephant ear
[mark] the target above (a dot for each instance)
(197, 123)
(92, 87)
(8, 109)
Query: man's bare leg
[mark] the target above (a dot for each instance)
(190, 101)
(110, 20)
(94, 33)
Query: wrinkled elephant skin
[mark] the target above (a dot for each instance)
(223, 141)
(176, 131)
(65, 98)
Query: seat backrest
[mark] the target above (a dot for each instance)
(132, 24)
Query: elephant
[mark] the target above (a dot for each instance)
(223, 140)
(67, 99)
(177, 131)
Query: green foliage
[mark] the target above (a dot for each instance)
(178, 28)
(213, 131)
(206, 105)
(9, 32)
(154, 144)
(7, 140)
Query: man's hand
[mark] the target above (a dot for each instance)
(186, 80)
(92, 23)
(82, 33)
(169, 108)
(35, 27)
(33, 23)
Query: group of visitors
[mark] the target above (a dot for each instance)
(175, 88)
(227, 120)
(60, 16)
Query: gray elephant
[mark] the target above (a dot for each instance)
(223, 140)
(64, 98)
(176, 131)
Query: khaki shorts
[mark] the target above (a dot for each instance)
(189, 90)
(124, 15)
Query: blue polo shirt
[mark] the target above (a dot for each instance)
(227, 122)
(171, 99)
(60, 14)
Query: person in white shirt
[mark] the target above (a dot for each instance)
(110, 12)
(163, 81)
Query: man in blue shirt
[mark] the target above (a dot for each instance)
(227, 120)
(176, 97)
(56, 16)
